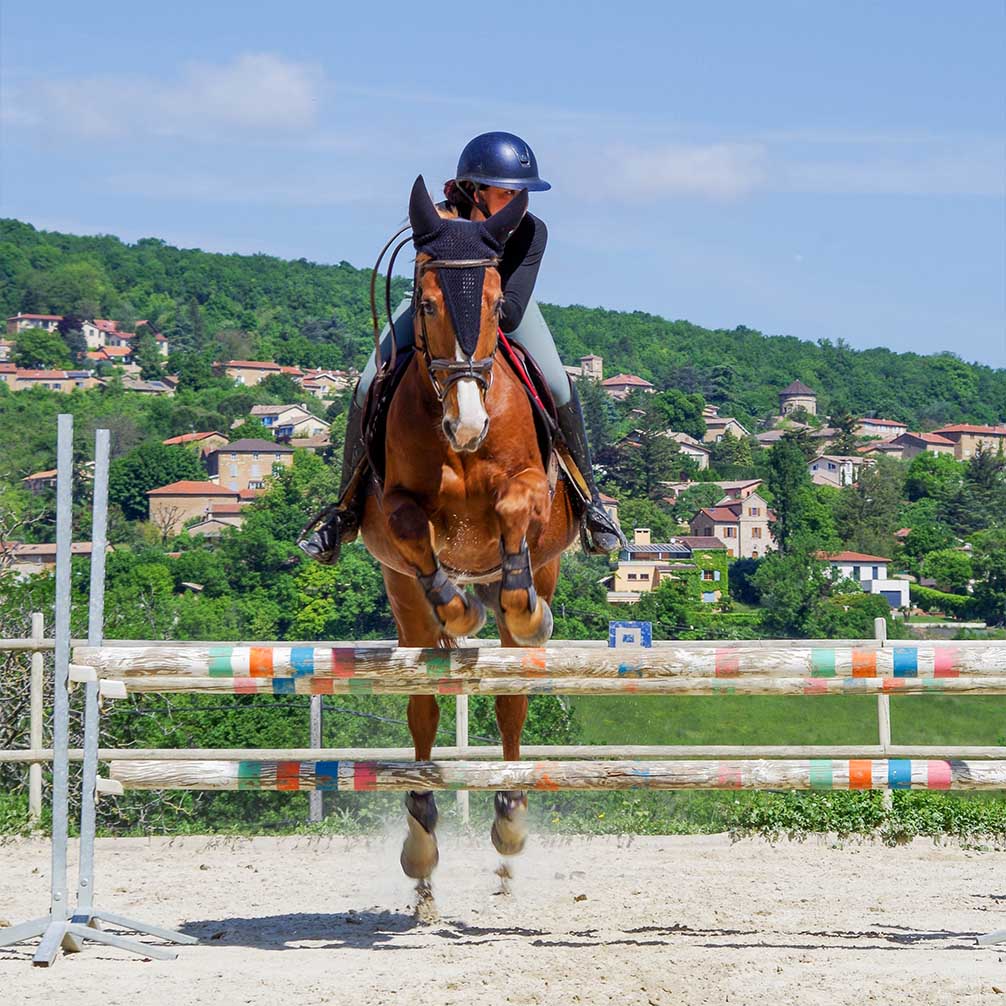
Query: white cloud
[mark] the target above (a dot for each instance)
(716, 171)
(255, 92)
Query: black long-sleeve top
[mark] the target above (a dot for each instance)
(519, 268)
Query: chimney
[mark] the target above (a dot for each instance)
(641, 536)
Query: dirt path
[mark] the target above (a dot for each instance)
(657, 920)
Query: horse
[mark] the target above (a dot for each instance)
(466, 495)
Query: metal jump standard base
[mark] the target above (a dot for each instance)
(64, 927)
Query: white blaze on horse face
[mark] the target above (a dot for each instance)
(468, 430)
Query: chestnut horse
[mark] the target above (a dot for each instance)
(466, 495)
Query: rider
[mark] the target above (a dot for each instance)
(492, 169)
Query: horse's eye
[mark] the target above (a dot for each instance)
(429, 307)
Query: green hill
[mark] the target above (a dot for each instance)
(300, 312)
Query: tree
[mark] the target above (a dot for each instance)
(71, 330)
(37, 349)
(790, 585)
(598, 414)
(673, 410)
(637, 511)
(950, 568)
(988, 562)
(283, 388)
(933, 476)
(980, 501)
(789, 482)
(148, 356)
(148, 467)
(695, 498)
(845, 424)
(928, 537)
(868, 512)
(644, 460)
(730, 450)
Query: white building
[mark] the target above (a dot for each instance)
(836, 470)
(870, 572)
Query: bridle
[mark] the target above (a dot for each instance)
(469, 369)
(478, 370)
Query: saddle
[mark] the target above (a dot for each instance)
(385, 385)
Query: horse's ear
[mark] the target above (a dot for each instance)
(422, 213)
(502, 224)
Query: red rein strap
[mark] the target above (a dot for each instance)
(518, 365)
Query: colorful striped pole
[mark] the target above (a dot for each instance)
(381, 776)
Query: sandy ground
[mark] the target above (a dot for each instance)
(656, 920)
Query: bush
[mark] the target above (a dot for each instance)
(928, 599)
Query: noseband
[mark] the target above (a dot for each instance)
(445, 373)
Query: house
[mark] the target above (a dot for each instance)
(885, 428)
(40, 482)
(26, 560)
(53, 380)
(643, 564)
(968, 439)
(204, 442)
(247, 464)
(743, 525)
(8, 374)
(326, 383)
(718, 426)
(171, 506)
(797, 396)
(591, 367)
(248, 372)
(22, 322)
(870, 572)
(836, 470)
(734, 488)
(218, 518)
(288, 421)
(691, 448)
(610, 505)
(6, 350)
(909, 445)
(122, 355)
(142, 387)
(104, 333)
(622, 385)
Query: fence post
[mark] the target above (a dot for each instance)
(36, 719)
(315, 808)
(883, 708)
(461, 741)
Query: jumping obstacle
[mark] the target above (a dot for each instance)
(385, 776)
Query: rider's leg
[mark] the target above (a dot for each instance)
(341, 523)
(533, 334)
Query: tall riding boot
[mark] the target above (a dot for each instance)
(339, 523)
(599, 534)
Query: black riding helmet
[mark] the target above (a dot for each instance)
(502, 160)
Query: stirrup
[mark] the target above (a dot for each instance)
(599, 535)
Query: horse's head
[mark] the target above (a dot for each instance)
(457, 304)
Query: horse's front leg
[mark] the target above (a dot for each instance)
(459, 614)
(522, 506)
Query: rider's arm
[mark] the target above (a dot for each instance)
(524, 250)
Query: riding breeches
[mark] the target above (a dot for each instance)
(532, 334)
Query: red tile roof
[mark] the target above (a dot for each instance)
(630, 379)
(37, 317)
(42, 375)
(189, 488)
(929, 438)
(850, 557)
(999, 431)
(719, 513)
(254, 365)
(187, 438)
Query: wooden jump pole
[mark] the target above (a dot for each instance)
(382, 776)
(871, 660)
(411, 682)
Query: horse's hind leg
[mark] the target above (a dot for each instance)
(417, 627)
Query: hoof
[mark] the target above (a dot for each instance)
(420, 854)
(509, 832)
(544, 631)
(471, 622)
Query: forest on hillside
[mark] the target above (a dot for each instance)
(300, 312)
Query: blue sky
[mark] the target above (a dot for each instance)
(819, 169)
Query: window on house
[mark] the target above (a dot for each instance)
(632, 576)
(754, 511)
(855, 572)
(707, 574)
(254, 455)
(256, 485)
(756, 532)
(730, 532)
(707, 531)
(279, 457)
(876, 572)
